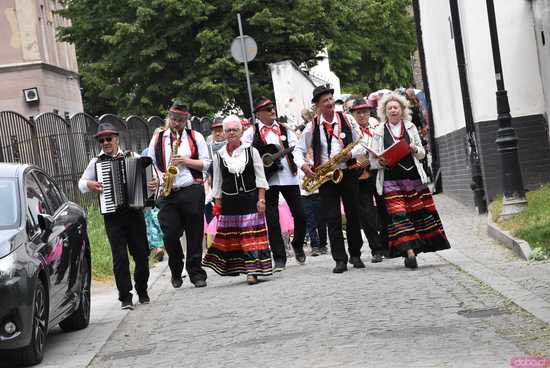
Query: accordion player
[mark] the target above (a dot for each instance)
(124, 180)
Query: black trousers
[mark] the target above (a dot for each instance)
(291, 194)
(183, 211)
(126, 232)
(347, 191)
(368, 213)
(316, 226)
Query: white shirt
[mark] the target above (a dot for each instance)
(284, 176)
(89, 173)
(236, 164)
(335, 145)
(184, 177)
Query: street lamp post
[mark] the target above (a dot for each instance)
(507, 142)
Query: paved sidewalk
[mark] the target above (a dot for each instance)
(526, 283)
(77, 349)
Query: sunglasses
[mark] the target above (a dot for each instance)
(106, 139)
(268, 109)
(231, 130)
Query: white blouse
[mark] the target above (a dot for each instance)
(236, 163)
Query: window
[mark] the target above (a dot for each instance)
(9, 197)
(53, 196)
(36, 204)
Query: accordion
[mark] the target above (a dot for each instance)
(125, 183)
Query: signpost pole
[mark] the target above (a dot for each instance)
(243, 51)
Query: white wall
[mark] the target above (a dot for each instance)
(448, 114)
(541, 12)
(518, 56)
(292, 89)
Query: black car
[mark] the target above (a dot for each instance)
(45, 263)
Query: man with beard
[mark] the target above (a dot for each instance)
(327, 135)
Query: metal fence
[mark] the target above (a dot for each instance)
(63, 146)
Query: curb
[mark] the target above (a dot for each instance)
(525, 299)
(518, 246)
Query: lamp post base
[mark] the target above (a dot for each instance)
(512, 206)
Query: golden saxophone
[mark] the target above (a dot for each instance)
(328, 170)
(172, 170)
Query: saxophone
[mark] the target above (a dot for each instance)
(328, 170)
(172, 170)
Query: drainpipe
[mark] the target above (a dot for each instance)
(473, 153)
(433, 145)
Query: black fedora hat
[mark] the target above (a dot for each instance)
(320, 91)
(106, 129)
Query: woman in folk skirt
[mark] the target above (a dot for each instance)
(413, 224)
(241, 244)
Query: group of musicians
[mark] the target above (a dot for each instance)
(329, 134)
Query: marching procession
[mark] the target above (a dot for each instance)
(342, 169)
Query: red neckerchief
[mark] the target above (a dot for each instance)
(402, 132)
(275, 129)
(329, 128)
(270, 128)
(366, 131)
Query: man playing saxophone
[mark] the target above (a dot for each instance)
(328, 134)
(181, 155)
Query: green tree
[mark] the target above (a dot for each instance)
(136, 55)
(374, 46)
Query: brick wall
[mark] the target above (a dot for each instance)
(534, 156)
(534, 153)
(456, 174)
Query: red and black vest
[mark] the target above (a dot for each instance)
(160, 156)
(316, 139)
(259, 144)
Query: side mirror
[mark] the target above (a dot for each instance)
(45, 222)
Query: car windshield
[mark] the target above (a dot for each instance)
(9, 203)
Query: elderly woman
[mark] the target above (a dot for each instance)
(240, 245)
(413, 222)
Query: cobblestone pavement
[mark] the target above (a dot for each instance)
(469, 233)
(382, 316)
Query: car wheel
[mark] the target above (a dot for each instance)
(81, 317)
(34, 352)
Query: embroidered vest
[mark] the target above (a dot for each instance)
(233, 184)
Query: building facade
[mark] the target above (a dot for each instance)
(526, 77)
(293, 88)
(38, 73)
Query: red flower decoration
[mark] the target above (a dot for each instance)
(216, 209)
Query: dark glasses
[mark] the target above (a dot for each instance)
(103, 140)
(268, 109)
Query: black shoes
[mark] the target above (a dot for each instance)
(410, 262)
(279, 266)
(144, 297)
(200, 283)
(376, 258)
(315, 252)
(177, 282)
(127, 304)
(356, 262)
(340, 267)
(300, 255)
